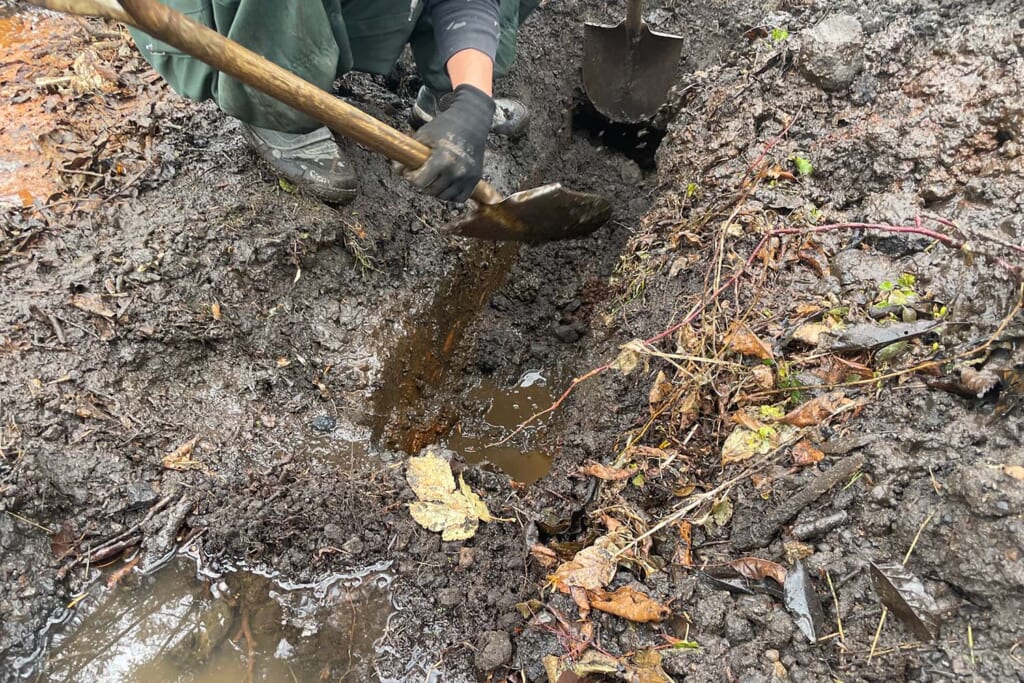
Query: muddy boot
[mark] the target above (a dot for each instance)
(511, 117)
(311, 161)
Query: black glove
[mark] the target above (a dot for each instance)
(458, 136)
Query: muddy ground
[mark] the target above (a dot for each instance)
(311, 348)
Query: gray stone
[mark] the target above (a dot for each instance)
(832, 53)
(493, 649)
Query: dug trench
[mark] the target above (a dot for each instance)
(287, 355)
(218, 366)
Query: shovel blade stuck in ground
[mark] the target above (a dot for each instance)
(628, 68)
(542, 214)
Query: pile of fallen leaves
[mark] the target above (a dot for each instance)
(81, 114)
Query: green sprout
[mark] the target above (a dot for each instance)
(804, 167)
(779, 35)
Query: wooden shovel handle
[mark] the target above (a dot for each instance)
(634, 17)
(243, 64)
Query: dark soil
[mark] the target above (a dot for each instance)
(243, 315)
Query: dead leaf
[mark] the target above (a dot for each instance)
(215, 311)
(592, 568)
(180, 458)
(660, 390)
(978, 382)
(606, 473)
(721, 511)
(806, 454)
(755, 568)
(744, 342)
(283, 362)
(547, 557)
(628, 603)
(456, 514)
(92, 303)
(907, 598)
(684, 551)
(61, 542)
(114, 578)
(1015, 471)
(629, 357)
(816, 410)
(810, 333)
(764, 376)
(646, 668)
(742, 444)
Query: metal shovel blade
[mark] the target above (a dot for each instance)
(628, 69)
(542, 214)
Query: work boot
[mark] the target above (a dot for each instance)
(511, 117)
(311, 161)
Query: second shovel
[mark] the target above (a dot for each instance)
(628, 68)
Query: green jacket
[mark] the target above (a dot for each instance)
(317, 39)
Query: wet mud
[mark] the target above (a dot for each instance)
(202, 359)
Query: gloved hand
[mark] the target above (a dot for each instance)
(458, 137)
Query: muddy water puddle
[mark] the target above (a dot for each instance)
(183, 626)
(502, 409)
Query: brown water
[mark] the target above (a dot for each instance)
(175, 627)
(523, 458)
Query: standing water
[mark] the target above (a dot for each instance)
(477, 438)
(180, 626)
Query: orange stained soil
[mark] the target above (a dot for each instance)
(28, 52)
(58, 95)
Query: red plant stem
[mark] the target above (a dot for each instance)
(695, 312)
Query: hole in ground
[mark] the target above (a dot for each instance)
(636, 141)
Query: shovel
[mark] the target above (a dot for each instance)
(628, 68)
(549, 212)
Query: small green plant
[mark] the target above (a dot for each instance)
(691, 190)
(804, 167)
(779, 35)
(899, 293)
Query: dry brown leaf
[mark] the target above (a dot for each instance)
(92, 303)
(744, 342)
(592, 568)
(810, 333)
(121, 572)
(684, 551)
(764, 376)
(215, 311)
(544, 555)
(816, 410)
(629, 357)
(745, 418)
(181, 457)
(978, 382)
(687, 410)
(806, 454)
(755, 568)
(629, 603)
(660, 390)
(605, 472)
(646, 668)
(1015, 471)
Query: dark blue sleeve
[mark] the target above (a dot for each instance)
(463, 25)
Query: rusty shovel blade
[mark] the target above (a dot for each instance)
(542, 214)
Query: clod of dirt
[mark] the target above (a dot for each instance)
(493, 649)
(832, 53)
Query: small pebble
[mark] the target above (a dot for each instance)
(324, 423)
(771, 655)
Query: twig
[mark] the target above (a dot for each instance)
(759, 533)
(835, 602)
